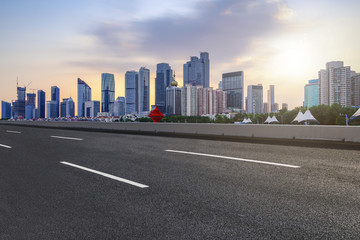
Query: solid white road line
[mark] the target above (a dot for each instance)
(107, 175)
(5, 146)
(236, 159)
(9, 131)
(69, 138)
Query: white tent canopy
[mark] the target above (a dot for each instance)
(356, 114)
(246, 120)
(298, 117)
(274, 120)
(268, 120)
(308, 117)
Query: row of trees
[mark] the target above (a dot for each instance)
(326, 115)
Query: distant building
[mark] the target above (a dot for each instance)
(285, 106)
(5, 110)
(30, 106)
(19, 104)
(55, 96)
(164, 77)
(51, 109)
(144, 90)
(197, 71)
(255, 99)
(119, 106)
(233, 85)
(220, 87)
(335, 84)
(355, 90)
(131, 92)
(266, 107)
(189, 100)
(311, 93)
(41, 104)
(84, 95)
(173, 99)
(92, 108)
(107, 92)
(67, 107)
(271, 98)
(276, 107)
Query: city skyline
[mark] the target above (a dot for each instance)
(279, 43)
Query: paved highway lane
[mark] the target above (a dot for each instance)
(188, 196)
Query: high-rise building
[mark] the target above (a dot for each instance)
(221, 101)
(162, 81)
(51, 109)
(271, 98)
(5, 110)
(131, 91)
(55, 96)
(197, 71)
(285, 106)
(30, 106)
(119, 106)
(41, 104)
(92, 108)
(189, 100)
(276, 107)
(84, 95)
(266, 107)
(255, 99)
(335, 84)
(67, 107)
(173, 99)
(144, 90)
(220, 87)
(311, 93)
(19, 104)
(233, 85)
(107, 92)
(355, 90)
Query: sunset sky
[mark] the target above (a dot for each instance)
(277, 42)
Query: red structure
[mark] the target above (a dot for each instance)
(156, 115)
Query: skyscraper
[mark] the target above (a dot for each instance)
(335, 84)
(355, 90)
(84, 95)
(131, 91)
(55, 96)
(107, 92)
(189, 100)
(233, 85)
(119, 106)
(41, 103)
(197, 71)
(19, 104)
(144, 90)
(30, 106)
(255, 99)
(51, 109)
(5, 110)
(162, 81)
(311, 93)
(92, 108)
(271, 98)
(67, 107)
(173, 99)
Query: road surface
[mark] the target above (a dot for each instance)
(64, 184)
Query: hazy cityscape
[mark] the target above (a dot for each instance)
(337, 84)
(181, 119)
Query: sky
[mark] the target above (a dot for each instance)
(275, 42)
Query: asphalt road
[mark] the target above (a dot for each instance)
(172, 188)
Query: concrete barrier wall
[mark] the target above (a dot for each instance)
(332, 133)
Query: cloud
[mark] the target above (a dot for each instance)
(226, 29)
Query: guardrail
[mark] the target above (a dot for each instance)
(299, 132)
